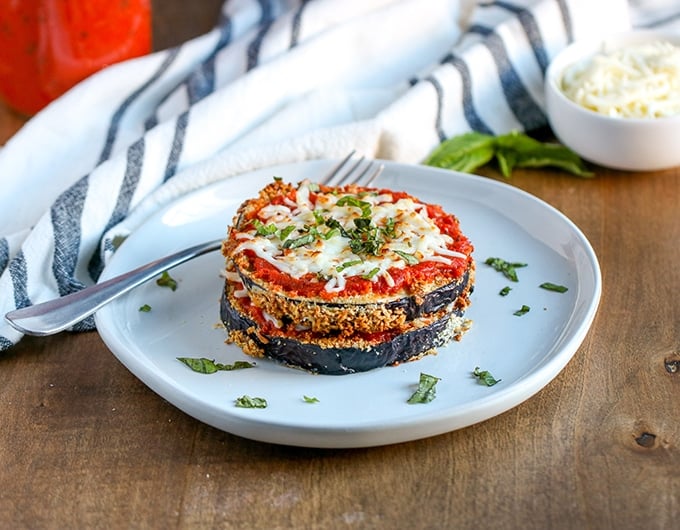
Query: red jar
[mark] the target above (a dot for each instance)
(47, 46)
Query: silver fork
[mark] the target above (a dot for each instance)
(59, 314)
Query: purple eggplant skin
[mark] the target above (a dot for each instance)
(346, 360)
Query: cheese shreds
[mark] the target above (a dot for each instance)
(640, 81)
(296, 237)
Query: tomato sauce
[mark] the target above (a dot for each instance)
(311, 286)
(47, 46)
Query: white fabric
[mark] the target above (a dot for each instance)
(276, 81)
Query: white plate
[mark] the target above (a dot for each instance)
(369, 408)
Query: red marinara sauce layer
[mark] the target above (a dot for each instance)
(411, 280)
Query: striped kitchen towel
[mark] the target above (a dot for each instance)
(276, 81)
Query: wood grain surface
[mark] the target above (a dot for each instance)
(84, 444)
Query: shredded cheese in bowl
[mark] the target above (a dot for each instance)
(637, 81)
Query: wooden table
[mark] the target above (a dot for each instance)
(84, 444)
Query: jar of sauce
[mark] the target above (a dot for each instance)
(47, 46)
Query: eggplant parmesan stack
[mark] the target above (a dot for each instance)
(336, 280)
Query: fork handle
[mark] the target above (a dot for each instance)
(59, 314)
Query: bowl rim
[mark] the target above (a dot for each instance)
(582, 49)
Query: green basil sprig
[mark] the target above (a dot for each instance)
(469, 151)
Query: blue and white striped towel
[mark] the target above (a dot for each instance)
(276, 81)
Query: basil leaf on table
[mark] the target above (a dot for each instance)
(467, 152)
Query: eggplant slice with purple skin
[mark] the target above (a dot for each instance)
(350, 317)
(344, 357)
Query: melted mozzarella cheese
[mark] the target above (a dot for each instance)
(414, 234)
(641, 81)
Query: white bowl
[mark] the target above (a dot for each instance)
(634, 144)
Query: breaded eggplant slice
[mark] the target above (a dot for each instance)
(350, 316)
(340, 355)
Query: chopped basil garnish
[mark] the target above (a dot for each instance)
(310, 399)
(522, 311)
(167, 281)
(209, 366)
(145, 308)
(299, 241)
(505, 267)
(347, 264)
(426, 391)
(371, 273)
(554, 287)
(410, 259)
(318, 217)
(349, 200)
(388, 229)
(285, 232)
(365, 238)
(331, 233)
(485, 377)
(505, 291)
(264, 230)
(247, 402)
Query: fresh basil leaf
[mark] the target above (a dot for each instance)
(507, 160)
(371, 273)
(264, 230)
(532, 153)
(485, 377)
(209, 366)
(410, 259)
(554, 287)
(331, 233)
(522, 311)
(285, 232)
(362, 223)
(348, 264)
(310, 399)
(145, 308)
(465, 152)
(318, 217)
(247, 402)
(505, 267)
(426, 391)
(299, 241)
(349, 200)
(167, 281)
(200, 365)
(236, 365)
(388, 229)
(505, 291)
